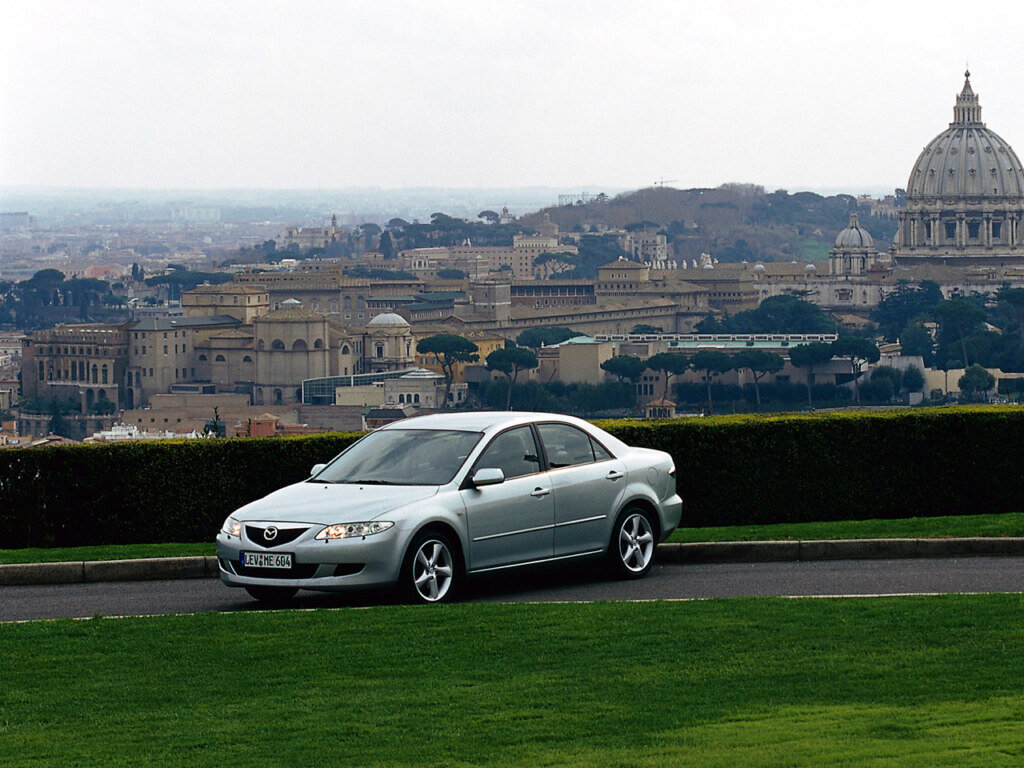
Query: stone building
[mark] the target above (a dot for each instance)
(965, 195)
(291, 345)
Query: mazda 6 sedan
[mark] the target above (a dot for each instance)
(423, 503)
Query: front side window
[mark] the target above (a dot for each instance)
(567, 446)
(402, 457)
(513, 452)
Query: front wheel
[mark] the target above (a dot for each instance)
(272, 595)
(430, 573)
(631, 550)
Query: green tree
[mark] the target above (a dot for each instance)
(904, 304)
(626, 367)
(670, 364)
(103, 407)
(643, 329)
(544, 337)
(510, 361)
(387, 248)
(491, 217)
(890, 374)
(916, 340)
(913, 379)
(858, 352)
(960, 316)
(1014, 299)
(976, 383)
(776, 314)
(451, 274)
(448, 349)
(809, 356)
(760, 362)
(710, 363)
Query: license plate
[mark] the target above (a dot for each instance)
(267, 560)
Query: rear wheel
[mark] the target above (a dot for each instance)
(631, 550)
(430, 573)
(272, 595)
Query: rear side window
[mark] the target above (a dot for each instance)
(567, 446)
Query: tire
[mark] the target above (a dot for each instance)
(272, 595)
(632, 547)
(431, 572)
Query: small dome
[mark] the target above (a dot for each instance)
(290, 304)
(759, 267)
(388, 320)
(854, 236)
(810, 268)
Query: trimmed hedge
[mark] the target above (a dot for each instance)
(731, 470)
(168, 491)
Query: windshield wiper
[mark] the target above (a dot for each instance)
(365, 482)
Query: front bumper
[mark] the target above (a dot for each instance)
(327, 566)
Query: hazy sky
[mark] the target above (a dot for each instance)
(473, 93)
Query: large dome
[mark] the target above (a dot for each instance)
(965, 196)
(967, 159)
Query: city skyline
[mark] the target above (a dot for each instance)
(482, 95)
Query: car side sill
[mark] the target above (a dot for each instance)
(537, 562)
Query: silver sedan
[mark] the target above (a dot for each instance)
(425, 502)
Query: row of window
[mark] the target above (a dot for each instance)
(516, 454)
(77, 372)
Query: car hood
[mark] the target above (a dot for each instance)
(326, 503)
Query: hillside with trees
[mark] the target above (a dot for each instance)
(734, 222)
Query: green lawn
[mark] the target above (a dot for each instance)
(913, 527)
(931, 681)
(109, 552)
(955, 526)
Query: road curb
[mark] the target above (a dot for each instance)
(79, 572)
(849, 549)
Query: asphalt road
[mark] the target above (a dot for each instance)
(674, 582)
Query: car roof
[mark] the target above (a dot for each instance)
(480, 421)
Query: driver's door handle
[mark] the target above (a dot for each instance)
(538, 492)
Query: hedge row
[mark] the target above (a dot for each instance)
(731, 470)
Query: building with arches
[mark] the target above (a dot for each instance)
(292, 344)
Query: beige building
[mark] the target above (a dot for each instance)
(243, 302)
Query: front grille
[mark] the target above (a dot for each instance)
(284, 535)
(297, 571)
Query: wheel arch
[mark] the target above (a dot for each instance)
(448, 530)
(642, 502)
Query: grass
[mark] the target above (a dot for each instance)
(108, 552)
(913, 527)
(930, 681)
(952, 526)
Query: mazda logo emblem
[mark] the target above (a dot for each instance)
(270, 533)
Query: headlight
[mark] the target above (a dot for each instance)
(352, 530)
(231, 527)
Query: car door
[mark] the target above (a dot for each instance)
(587, 482)
(513, 521)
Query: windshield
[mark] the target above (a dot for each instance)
(402, 457)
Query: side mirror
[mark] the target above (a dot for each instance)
(488, 476)
(317, 469)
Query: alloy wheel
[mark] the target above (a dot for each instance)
(432, 570)
(636, 542)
